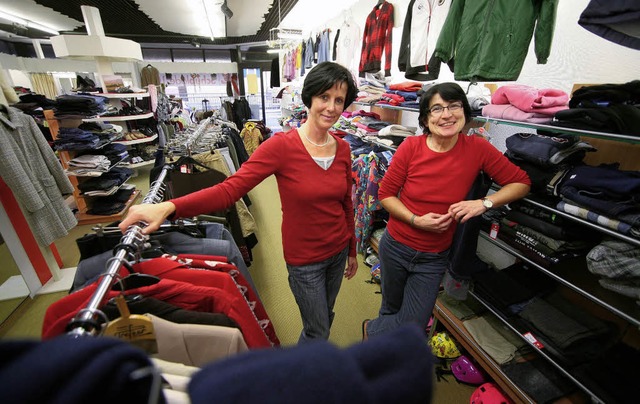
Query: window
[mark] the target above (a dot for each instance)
(188, 55)
(156, 54)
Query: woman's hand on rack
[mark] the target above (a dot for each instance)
(153, 215)
(352, 268)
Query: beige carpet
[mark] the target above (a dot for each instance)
(357, 299)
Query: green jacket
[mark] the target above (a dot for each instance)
(488, 40)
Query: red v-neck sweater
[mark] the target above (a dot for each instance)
(317, 211)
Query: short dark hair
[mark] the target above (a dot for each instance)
(324, 76)
(449, 92)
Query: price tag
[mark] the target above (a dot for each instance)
(495, 228)
(529, 337)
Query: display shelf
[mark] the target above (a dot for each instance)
(560, 129)
(385, 106)
(85, 218)
(138, 165)
(83, 195)
(118, 118)
(121, 95)
(589, 390)
(72, 173)
(575, 279)
(462, 336)
(602, 229)
(138, 141)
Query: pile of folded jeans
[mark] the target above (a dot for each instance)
(79, 106)
(107, 184)
(77, 139)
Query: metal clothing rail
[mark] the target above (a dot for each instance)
(197, 133)
(89, 321)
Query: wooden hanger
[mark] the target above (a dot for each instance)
(134, 328)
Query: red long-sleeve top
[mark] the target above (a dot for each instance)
(317, 211)
(377, 37)
(426, 181)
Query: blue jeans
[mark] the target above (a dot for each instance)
(410, 283)
(315, 288)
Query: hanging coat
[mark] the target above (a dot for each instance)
(488, 40)
(30, 168)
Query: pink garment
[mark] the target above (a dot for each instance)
(153, 96)
(547, 101)
(514, 114)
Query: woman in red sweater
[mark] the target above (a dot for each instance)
(313, 172)
(423, 190)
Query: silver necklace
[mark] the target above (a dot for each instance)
(316, 144)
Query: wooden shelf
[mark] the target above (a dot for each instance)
(85, 218)
(137, 141)
(460, 333)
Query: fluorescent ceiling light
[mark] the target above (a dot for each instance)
(275, 50)
(27, 23)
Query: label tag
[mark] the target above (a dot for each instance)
(529, 337)
(495, 228)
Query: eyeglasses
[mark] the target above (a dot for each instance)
(454, 107)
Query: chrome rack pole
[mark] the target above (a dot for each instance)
(197, 133)
(86, 321)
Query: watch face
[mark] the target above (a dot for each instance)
(487, 203)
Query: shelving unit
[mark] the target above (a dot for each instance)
(573, 278)
(82, 200)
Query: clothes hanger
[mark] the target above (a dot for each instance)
(473, 83)
(134, 328)
(190, 161)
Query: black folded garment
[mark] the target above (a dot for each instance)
(515, 284)
(613, 375)
(540, 380)
(622, 119)
(575, 334)
(626, 93)
(105, 209)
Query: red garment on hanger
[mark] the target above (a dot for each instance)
(182, 294)
(210, 271)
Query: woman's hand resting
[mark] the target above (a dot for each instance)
(434, 222)
(352, 268)
(153, 215)
(465, 210)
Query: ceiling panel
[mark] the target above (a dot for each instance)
(251, 21)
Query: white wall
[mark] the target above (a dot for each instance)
(577, 55)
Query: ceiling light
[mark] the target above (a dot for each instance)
(275, 50)
(27, 23)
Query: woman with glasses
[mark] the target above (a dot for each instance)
(423, 190)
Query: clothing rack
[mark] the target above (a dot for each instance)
(197, 133)
(87, 321)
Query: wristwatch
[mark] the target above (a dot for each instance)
(487, 203)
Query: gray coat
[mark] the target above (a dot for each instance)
(34, 174)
